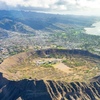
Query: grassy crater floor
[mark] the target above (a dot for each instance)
(61, 68)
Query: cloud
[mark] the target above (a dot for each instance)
(54, 6)
(3, 5)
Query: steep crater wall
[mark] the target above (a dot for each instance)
(66, 52)
(48, 90)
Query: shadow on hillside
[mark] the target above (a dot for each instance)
(47, 90)
(23, 90)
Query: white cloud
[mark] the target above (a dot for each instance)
(89, 3)
(12, 2)
(33, 3)
(60, 6)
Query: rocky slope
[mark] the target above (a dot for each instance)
(66, 52)
(48, 90)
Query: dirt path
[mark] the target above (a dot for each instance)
(63, 67)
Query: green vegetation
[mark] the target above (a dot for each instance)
(15, 50)
(46, 65)
(1, 60)
(74, 62)
(47, 31)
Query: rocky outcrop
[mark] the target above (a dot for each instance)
(48, 90)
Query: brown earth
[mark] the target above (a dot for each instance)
(40, 65)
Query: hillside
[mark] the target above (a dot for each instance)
(21, 31)
(48, 90)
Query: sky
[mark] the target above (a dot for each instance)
(78, 7)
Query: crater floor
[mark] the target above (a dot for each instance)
(57, 65)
